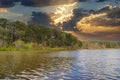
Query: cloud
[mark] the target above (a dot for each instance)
(40, 3)
(107, 16)
(3, 10)
(34, 3)
(6, 3)
(98, 23)
(40, 18)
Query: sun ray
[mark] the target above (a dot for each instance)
(63, 13)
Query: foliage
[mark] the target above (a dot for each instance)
(100, 45)
(20, 35)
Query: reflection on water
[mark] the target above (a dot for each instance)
(33, 65)
(65, 65)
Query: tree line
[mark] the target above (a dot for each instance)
(17, 34)
(100, 44)
(23, 35)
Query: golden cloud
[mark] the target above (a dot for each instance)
(3, 10)
(62, 14)
(99, 27)
(98, 23)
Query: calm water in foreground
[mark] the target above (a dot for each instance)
(63, 65)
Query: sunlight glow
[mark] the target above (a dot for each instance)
(84, 24)
(3, 10)
(62, 14)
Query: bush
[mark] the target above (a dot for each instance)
(19, 44)
(27, 46)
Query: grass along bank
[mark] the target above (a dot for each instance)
(40, 49)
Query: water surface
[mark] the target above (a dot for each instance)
(63, 65)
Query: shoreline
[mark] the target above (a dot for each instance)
(49, 49)
(41, 49)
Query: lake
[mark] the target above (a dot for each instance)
(62, 65)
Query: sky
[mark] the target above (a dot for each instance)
(21, 8)
(66, 14)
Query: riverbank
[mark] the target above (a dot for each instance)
(40, 49)
(85, 45)
(100, 45)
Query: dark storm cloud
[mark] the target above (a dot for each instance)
(91, 0)
(34, 3)
(40, 18)
(39, 3)
(78, 14)
(113, 15)
(45, 2)
(71, 23)
(44, 19)
(6, 3)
